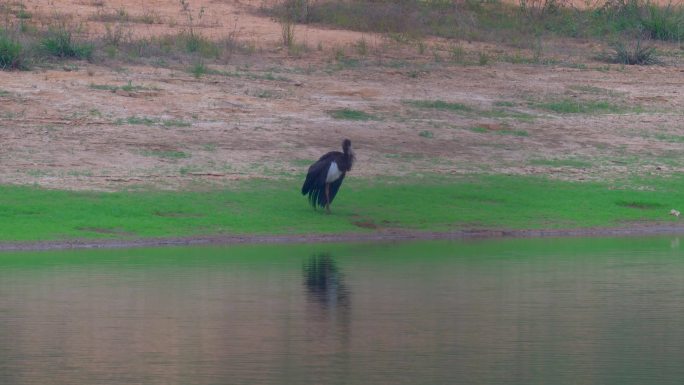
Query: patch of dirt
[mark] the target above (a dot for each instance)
(260, 114)
(634, 229)
(365, 224)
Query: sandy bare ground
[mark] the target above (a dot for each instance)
(267, 114)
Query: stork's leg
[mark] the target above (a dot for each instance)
(327, 198)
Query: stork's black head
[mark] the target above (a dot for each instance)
(346, 147)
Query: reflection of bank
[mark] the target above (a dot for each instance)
(329, 302)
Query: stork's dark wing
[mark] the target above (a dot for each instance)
(316, 171)
(314, 185)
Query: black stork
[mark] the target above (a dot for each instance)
(326, 175)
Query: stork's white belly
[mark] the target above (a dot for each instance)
(333, 173)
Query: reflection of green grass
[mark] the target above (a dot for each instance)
(263, 207)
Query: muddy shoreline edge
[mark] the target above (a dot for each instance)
(378, 236)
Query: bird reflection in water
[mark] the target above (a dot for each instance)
(327, 314)
(328, 310)
(325, 283)
(328, 301)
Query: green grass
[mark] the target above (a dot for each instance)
(264, 207)
(504, 103)
(499, 113)
(579, 106)
(350, 114)
(670, 138)
(175, 123)
(503, 131)
(593, 90)
(170, 154)
(152, 121)
(439, 105)
(496, 113)
(130, 87)
(142, 120)
(574, 163)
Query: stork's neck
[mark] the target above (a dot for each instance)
(348, 159)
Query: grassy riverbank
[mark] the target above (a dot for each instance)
(266, 207)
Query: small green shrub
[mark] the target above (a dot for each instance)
(11, 53)
(362, 47)
(199, 69)
(59, 42)
(122, 16)
(483, 59)
(195, 43)
(22, 14)
(458, 54)
(632, 54)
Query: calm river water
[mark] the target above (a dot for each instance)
(549, 311)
